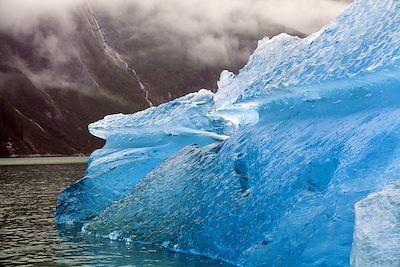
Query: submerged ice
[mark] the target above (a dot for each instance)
(266, 171)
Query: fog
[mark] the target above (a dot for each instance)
(184, 16)
(206, 30)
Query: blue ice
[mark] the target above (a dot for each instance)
(266, 171)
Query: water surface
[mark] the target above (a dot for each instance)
(42, 161)
(29, 235)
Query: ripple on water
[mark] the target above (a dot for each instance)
(29, 236)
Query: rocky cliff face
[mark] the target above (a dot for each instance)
(55, 81)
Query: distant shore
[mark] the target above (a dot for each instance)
(42, 161)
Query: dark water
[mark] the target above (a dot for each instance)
(29, 236)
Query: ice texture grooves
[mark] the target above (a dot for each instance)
(377, 229)
(313, 127)
(364, 39)
(135, 145)
(281, 193)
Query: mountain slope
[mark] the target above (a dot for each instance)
(54, 82)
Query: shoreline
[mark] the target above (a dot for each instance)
(42, 161)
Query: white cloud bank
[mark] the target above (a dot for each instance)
(206, 30)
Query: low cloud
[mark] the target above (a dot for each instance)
(21, 16)
(212, 31)
(208, 31)
(183, 16)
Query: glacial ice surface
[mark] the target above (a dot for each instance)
(136, 144)
(377, 229)
(313, 127)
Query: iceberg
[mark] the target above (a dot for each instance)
(377, 229)
(136, 144)
(267, 170)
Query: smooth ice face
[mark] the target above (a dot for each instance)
(136, 144)
(314, 128)
(377, 229)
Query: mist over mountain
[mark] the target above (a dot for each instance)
(64, 64)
